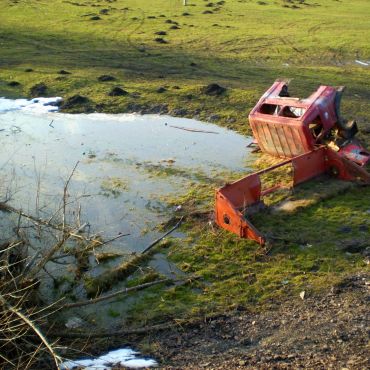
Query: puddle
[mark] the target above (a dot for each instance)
(127, 163)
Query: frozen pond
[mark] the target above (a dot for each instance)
(127, 164)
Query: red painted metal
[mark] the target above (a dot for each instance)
(287, 127)
(355, 152)
(297, 129)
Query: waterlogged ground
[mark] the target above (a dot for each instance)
(164, 55)
(127, 165)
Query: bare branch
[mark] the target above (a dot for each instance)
(47, 256)
(56, 358)
(115, 294)
(151, 245)
(116, 333)
(65, 194)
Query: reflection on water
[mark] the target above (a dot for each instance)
(127, 163)
(116, 183)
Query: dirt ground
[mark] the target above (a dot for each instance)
(330, 331)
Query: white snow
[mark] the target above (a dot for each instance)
(37, 105)
(361, 63)
(139, 363)
(124, 357)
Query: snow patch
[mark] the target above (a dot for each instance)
(362, 63)
(124, 357)
(37, 105)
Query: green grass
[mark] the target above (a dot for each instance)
(243, 46)
(309, 254)
(250, 47)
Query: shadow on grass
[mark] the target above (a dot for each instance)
(74, 51)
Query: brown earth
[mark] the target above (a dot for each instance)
(329, 331)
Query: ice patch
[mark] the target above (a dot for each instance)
(124, 357)
(37, 105)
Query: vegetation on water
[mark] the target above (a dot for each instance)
(114, 186)
(312, 248)
(161, 55)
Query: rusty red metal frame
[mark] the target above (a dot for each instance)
(282, 125)
(233, 200)
(303, 130)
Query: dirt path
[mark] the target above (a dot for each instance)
(322, 332)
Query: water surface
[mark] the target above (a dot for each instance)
(127, 163)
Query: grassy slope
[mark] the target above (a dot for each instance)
(243, 46)
(249, 48)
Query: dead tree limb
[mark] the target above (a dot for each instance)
(105, 281)
(48, 256)
(30, 324)
(151, 245)
(115, 294)
(193, 130)
(73, 234)
(116, 333)
(65, 194)
(101, 243)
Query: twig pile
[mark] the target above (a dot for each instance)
(26, 260)
(22, 344)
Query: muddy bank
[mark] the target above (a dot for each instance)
(319, 332)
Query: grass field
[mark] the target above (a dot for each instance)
(242, 45)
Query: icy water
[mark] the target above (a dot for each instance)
(127, 165)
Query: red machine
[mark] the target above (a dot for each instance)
(309, 132)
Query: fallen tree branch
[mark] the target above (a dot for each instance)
(193, 130)
(65, 194)
(73, 234)
(151, 245)
(29, 323)
(8, 246)
(105, 281)
(7, 208)
(48, 256)
(115, 294)
(101, 243)
(116, 333)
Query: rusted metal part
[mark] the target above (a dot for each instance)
(286, 127)
(234, 200)
(355, 152)
(310, 133)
